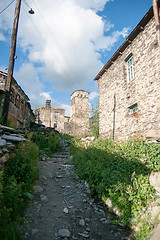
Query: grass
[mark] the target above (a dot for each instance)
(119, 171)
(49, 144)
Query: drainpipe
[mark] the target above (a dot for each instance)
(156, 16)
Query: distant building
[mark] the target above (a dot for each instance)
(80, 112)
(20, 112)
(129, 85)
(52, 117)
(55, 118)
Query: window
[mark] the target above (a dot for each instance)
(12, 95)
(133, 108)
(22, 101)
(17, 100)
(130, 69)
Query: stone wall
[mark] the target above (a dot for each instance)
(19, 107)
(52, 117)
(9, 141)
(117, 96)
(80, 112)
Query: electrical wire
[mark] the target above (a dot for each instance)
(44, 40)
(6, 7)
(26, 4)
(66, 59)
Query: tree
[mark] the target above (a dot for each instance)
(94, 119)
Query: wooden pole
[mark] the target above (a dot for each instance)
(156, 16)
(11, 61)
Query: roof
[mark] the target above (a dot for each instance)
(5, 74)
(148, 16)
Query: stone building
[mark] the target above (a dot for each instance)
(129, 85)
(79, 112)
(52, 117)
(20, 111)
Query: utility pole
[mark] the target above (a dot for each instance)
(11, 61)
(156, 16)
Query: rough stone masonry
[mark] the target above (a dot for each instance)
(129, 85)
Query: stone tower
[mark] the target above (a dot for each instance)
(80, 112)
(47, 114)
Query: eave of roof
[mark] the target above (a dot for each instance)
(5, 74)
(128, 40)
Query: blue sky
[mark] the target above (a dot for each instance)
(62, 47)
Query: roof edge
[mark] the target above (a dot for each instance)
(139, 28)
(6, 74)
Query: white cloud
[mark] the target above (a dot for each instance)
(46, 95)
(67, 109)
(107, 42)
(93, 95)
(97, 5)
(28, 79)
(64, 39)
(2, 37)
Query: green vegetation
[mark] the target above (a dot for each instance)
(94, 120)
(65, 136)
(49, 144)
(16, 181)
(119, 171)
(9, 121)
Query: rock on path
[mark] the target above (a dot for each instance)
(61, 208)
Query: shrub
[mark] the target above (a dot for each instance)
(16, 183)
(119, 171)
(49, 144)
(39, 139)
(53, 143)
(94, 120)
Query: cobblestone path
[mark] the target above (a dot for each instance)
(62, 209)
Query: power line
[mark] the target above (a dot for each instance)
(6, 7)
(65, 58)
(26, 3)
(31, 10)
(44, 40)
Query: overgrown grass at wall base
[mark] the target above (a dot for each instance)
(49, 144)
(16, 181)
(119, 172)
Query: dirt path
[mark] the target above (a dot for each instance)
(61, 208)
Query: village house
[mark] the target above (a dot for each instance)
(129, 85)
(20, 112)
(77, 124)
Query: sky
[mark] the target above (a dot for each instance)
(62, 47)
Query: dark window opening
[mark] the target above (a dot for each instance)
(133, 108)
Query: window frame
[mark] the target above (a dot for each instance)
(12, 95)
(133, 108)
(130, 68)
(17, 100)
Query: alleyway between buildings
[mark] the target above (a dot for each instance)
(63, 209)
